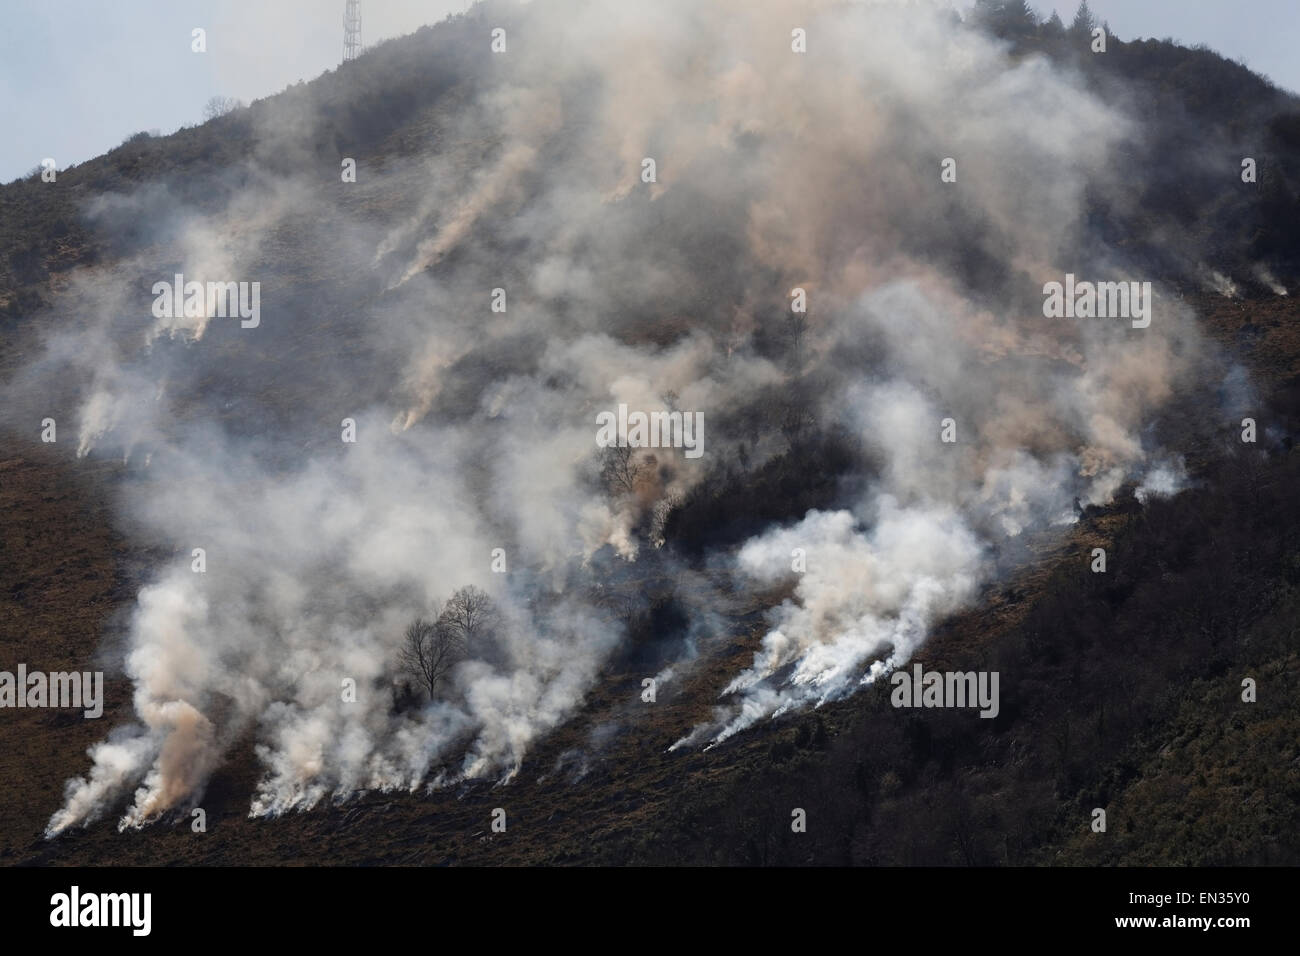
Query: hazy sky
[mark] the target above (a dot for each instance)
(79, 76)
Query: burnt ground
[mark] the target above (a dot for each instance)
(602, 789)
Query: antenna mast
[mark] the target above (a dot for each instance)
(351, 30)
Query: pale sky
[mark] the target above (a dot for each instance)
(79, 76)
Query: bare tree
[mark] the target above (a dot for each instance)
(431, 649)
(470, 615)
(467, 622)
(619, 469)
(220, 106)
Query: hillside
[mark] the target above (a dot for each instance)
(1120, 690)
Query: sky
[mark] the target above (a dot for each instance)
(77, 77)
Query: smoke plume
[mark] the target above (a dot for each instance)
(774, 171)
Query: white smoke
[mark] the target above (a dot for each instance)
(1165, 478)
(476, 429)
(1217, 282)
(1263, 274)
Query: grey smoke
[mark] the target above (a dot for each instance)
(476, 428)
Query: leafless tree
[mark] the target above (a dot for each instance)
(470, 615)
(466, 623)
(619, 469)
(220, 106)
(431, 649)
